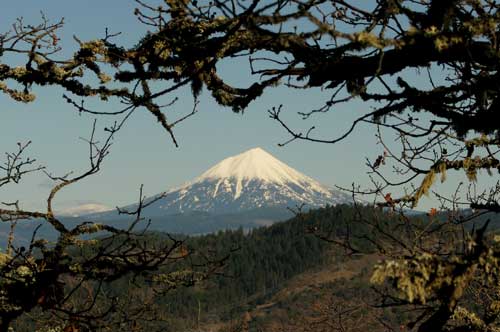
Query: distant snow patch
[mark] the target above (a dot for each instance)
(82, 209)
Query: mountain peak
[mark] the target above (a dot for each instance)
(256, 149)
(257, 165)
(255, 152)
(253, 164)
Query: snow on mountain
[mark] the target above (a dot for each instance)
(250, 180)
(82, 209)
(257, 165)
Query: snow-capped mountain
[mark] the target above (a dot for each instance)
(248, 190)
(251, 180)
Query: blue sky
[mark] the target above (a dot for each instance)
(142, 152)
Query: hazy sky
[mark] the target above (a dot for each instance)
(143, 153)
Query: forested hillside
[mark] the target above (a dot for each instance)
(257, 264)
(290, 275)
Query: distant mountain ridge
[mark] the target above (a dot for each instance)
(251, 180)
